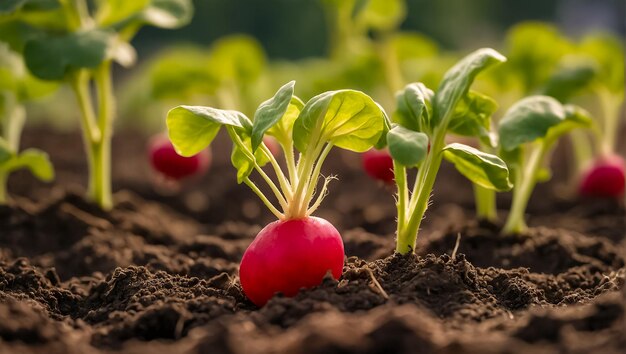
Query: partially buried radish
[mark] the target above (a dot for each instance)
(604, 178)
(289, 255)
(298, 250)
(167, 162)
(378, 164)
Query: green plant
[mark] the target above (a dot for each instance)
(17, 87)
(71, 42)
(528, 132)
(346, 119)
(422, 121)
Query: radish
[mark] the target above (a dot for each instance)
(165, 160)
(298, 250)
(289, 255)
(272, 145)
(378, 164)
(604, 178)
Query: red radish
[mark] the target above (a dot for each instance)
(272, 145)
(378, 164)
(288, 255)
(604, 178)
(166, 161)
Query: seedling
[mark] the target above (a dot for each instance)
(17, 87)
(603, 176)
(167, 162)
(297, 250)
(75, 43)
(423, 119)
(528, 132)
(378, 164)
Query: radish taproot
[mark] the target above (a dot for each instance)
(166, 161)
(298, 250)
(604, 178)
(289, 255)
(378, 165)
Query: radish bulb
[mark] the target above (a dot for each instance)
(604, 178)
(167, 162)
(272, 145)
(289, 255)
(378, 164)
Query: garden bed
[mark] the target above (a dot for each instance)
(159, 273)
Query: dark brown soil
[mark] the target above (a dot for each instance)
(158, 274)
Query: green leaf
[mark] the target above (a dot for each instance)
(608, 52)
(534, 50)
(11, 6)
(238, 57)
(412, 46)
(168, 13)
(111, 12)
(407, 147)
(244, 161)
(283, 129)
(346, 118)
(381, 15)
(130, 15)
(270, 112)
(35, 160)
(6, 152)
(12, 118)
(412, 107)
(486, 170)
(570, 78)
(181, 73)
(457, 81)
(192, 128)
(472, 117)
(529, 119)
(51, 57)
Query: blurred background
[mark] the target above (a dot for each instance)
(295, 29)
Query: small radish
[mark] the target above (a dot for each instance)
(289, 255)
(378, 164)
(604, 178)
(272, 145)
(166, 161)
(298, 250)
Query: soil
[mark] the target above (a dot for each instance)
(158, 273)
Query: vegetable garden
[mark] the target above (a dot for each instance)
(391, 197)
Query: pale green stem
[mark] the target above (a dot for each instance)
(611, 114)
(305, 163)
(525, 182)
(393, 75)
(320, 197)
(485, 203)
(312, 180)
(583, 151)
(281, 199)
(3, 188)
(237, 140)
(264, 199)
(91, 133)
(403, 194)
(284, 183)
(406, 241)
(102, 149)
(291, 163)
(425, 181)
